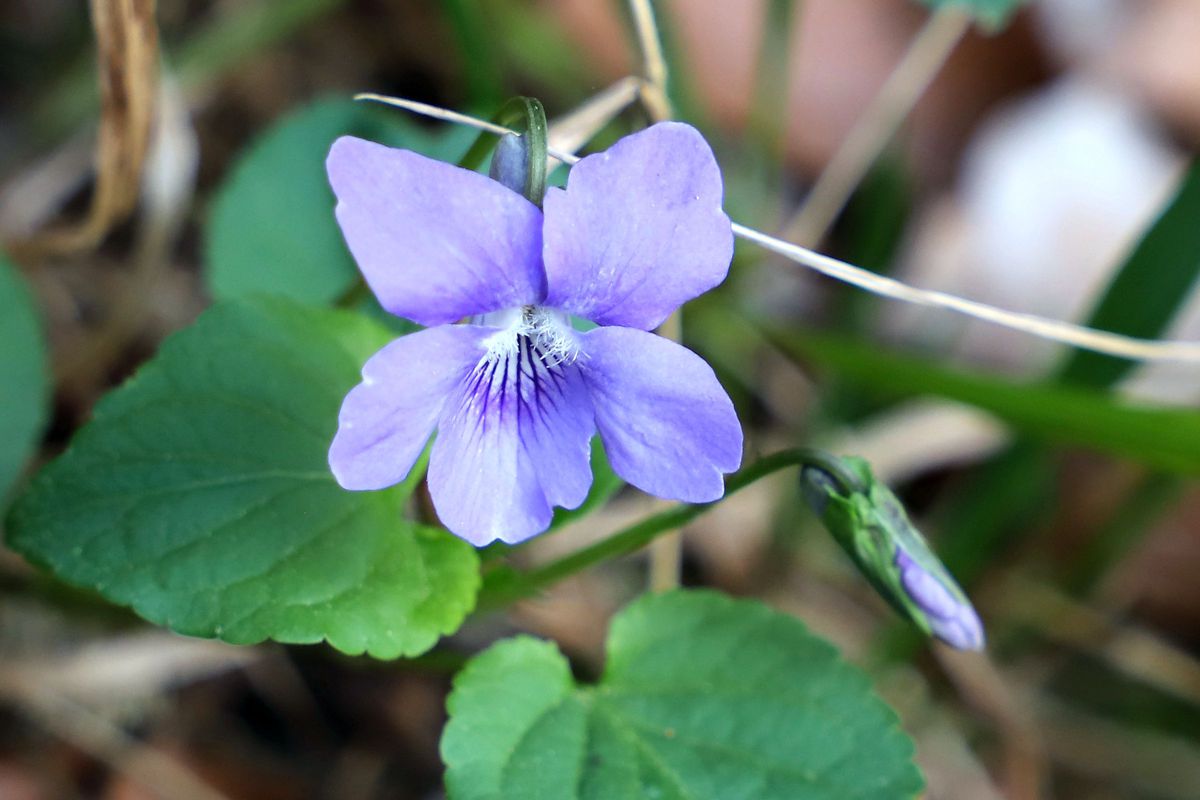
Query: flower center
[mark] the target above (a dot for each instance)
(540, 332)
(521, 375)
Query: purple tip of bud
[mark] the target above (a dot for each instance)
(509, 162)
(951, 620)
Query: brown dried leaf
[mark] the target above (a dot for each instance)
(127, 56)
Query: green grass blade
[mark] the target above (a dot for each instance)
(1149, 288)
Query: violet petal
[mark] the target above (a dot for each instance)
(513, 442)
(386, 420)
(435, 242)
(639, 229)
(667, 425)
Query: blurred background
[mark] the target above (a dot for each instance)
(1056, 486)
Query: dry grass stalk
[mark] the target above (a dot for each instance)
(127, 56)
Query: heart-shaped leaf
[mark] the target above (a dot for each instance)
(200, 495)
(702, 697)
(23, 385)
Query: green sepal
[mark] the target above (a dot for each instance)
(526, 116)
(867, 519)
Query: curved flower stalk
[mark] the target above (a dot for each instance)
(870, 524)
(516, 394)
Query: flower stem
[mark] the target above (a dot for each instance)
(666, 562)
(666, 553)
(505, 586)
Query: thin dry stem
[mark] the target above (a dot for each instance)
(168, 175)
(1130, 649)
(1112, 344)
(654, 64)
(570, 132)
(666, 552)
(878, 125)
(666, 560)
(127, 54)
(1118, 755)
(434, 111)
(994, 696)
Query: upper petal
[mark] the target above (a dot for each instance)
(639, 229)
(435, 242)
(386, 420)
(667, 425)
(512, 444)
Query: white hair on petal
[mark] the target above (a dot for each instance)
(553, 336)
(549, 331)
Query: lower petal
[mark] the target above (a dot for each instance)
(512, 443)
(667, 425)
(386, 420)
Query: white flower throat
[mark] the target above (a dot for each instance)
(546, 331)
(522, 372)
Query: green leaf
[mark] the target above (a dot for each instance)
(877, 215)
(23, 384)
(478, 52)
(530, 44)
(272, 227)
(1168, 438)
(702, 697)
(201, 497)
(1159, 272)
(1001, 500)
(993, 14)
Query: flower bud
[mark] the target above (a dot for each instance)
(510, 162)
(951, 619)
(870, 524)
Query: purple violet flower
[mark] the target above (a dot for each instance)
(516, 394)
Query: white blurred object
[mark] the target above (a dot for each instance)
(1055, 190)
(173, 158)
(1081, 31)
